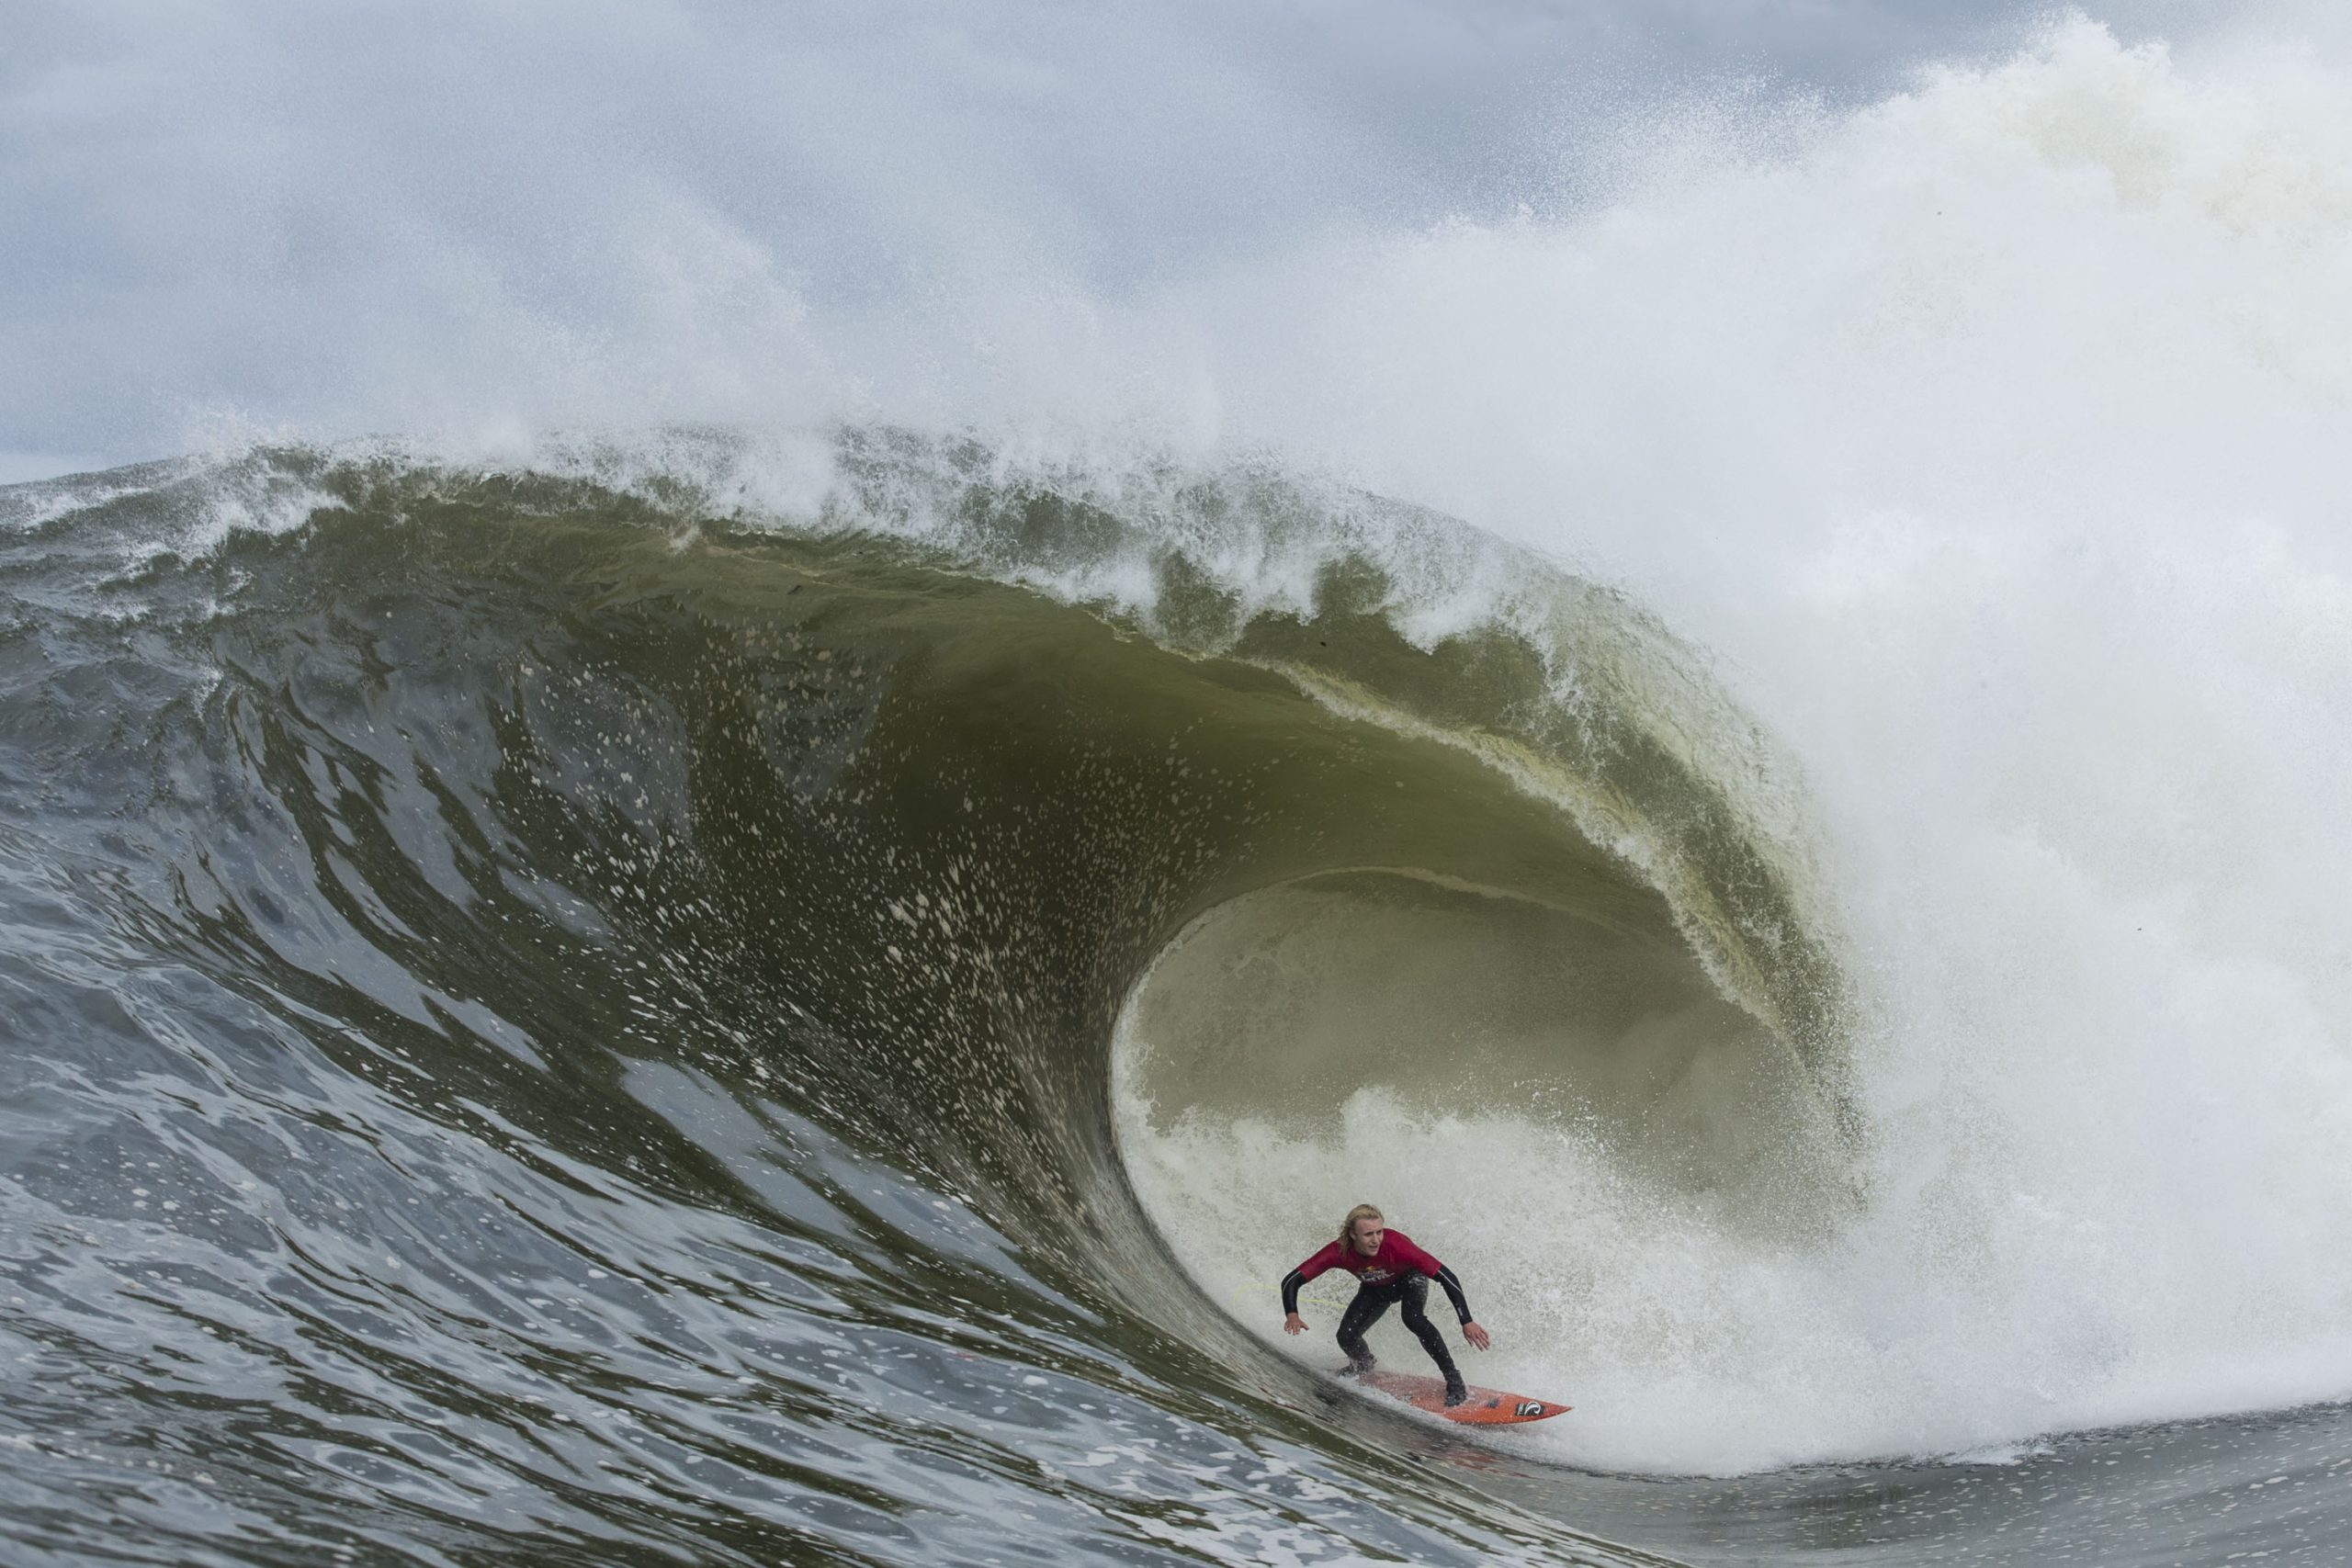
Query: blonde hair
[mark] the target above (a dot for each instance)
(1347, 1226)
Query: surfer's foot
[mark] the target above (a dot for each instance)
(1454, 1390)
(1359, 1369)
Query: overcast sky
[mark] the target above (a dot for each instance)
(334, 217)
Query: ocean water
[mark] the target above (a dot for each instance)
(1755, 758)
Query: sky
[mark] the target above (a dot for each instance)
(229, 218)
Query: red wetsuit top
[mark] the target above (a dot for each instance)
(1397, 1256)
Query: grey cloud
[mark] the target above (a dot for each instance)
(365, 216)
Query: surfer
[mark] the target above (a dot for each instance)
(1393, 1272)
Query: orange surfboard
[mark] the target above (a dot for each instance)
(1484, 1408)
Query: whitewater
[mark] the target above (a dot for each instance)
(753, 918)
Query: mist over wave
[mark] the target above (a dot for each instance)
(1904, 617)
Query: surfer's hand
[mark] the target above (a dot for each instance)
(1293, 1324)
(1475, 1334)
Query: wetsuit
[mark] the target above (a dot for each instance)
(1398, 1274)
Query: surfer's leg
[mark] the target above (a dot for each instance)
(1416, 1296)
(1370, 1302)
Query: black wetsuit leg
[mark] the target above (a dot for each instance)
(1416, 1297)
(1371, 1303)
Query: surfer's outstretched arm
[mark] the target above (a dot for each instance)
(1319, 1264)
(1470, 1329)
(1445, 1277)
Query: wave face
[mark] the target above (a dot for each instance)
(541, 1007)
(703, 991)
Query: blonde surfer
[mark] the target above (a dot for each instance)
(1391, 1271)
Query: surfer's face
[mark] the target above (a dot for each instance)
(1368, 1234)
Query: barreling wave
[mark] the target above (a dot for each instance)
(588, 943)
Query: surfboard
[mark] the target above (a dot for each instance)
(1484, 1408)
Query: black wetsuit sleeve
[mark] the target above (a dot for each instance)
(1453, 1293)
(1291, 1283)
